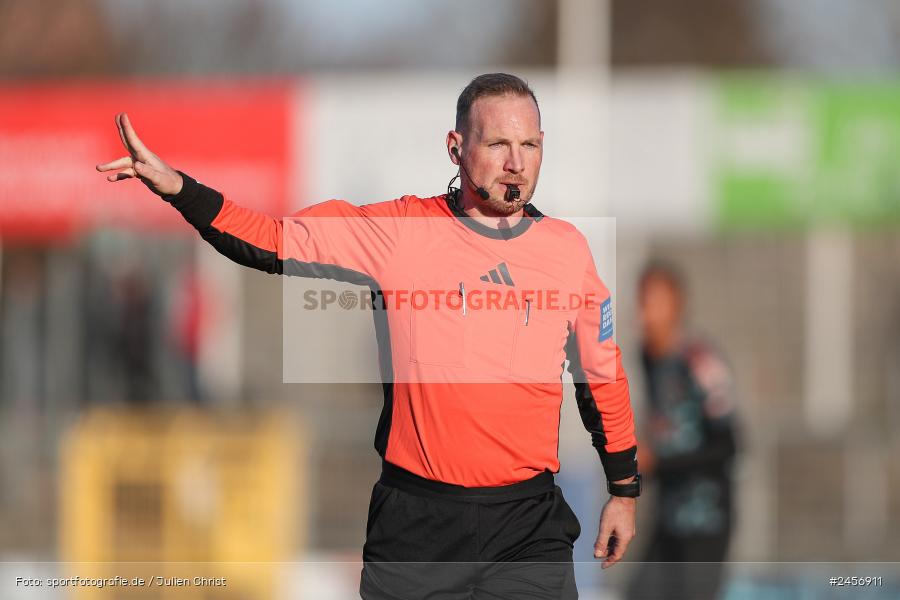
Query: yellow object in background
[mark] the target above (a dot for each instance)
(171, 495)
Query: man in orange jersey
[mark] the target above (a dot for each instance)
(480, 301)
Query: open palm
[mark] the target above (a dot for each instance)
(141, 163)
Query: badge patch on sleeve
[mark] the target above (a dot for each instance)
(606, 320)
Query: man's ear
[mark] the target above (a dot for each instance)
(454, 142)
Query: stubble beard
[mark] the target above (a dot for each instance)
(500, 207)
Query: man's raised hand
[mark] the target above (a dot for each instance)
(141, 163)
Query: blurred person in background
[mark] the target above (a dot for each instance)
(120, 315)
(689, 448)
(132, 321)
(187, 330)
(467, 472)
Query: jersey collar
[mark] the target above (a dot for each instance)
(531, 216)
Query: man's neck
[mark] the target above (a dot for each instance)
(663, 343)
(473, 206)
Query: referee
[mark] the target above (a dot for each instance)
(479, 301)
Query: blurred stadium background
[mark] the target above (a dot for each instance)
(143, 414)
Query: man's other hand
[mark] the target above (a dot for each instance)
(617, 528)
(141, 163)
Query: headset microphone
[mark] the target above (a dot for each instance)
(512, 190)
(478, 189)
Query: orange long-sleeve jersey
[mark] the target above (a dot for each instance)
(474, 326)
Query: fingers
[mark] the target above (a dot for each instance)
(601, 546)
(131, 138)
(124, 165)
(129, 169)
(126, 174)
(125, 162)
(611, 545)
(122, 134)
(617, 551)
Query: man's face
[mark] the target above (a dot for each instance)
(504, 145)
(660, 307)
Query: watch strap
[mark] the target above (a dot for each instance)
(626, 490)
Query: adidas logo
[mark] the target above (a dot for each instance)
(495, 275)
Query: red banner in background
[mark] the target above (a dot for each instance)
(232, 135)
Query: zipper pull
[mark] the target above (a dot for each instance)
(462, 292)
(527, 311)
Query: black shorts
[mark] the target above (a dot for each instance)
(427, 539)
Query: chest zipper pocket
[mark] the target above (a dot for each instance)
(438, 332)
(539, 349)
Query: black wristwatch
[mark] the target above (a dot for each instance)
(627, 490)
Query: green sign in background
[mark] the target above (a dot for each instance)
(792, 152)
